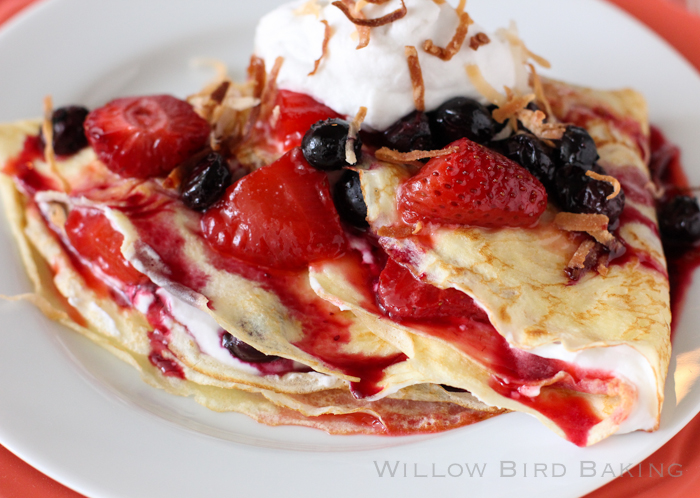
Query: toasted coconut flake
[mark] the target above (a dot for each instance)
(416, 77)
(536, 83)
(257, 74)
(604, 237)
(353, 130)
(484, 87)
(514, 39)
(219, 94)
(455, 44)
(394, 157)
(309, 8)
(269, 95)
(577, 222)
(513, 105)
(578, 261)
(49, 153)
(461, 6)
(372, 23)
(534, 121)
(439, 2)
(417, 230)
(327, 33)
(478, 40)
(656, 191)
(606, 178)
(396, 232)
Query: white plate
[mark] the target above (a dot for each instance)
(84, 418)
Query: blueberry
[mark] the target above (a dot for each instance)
(533, 155)
(498, 126)
(349, 201)
(679, 219)
(323, 145)
(463, 117)
(578, 193)
(206, 182)
(243, 351)
(409, 133)
(577, 147)
(68, 133)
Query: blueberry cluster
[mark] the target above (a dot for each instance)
(67, 128)
(324, 148)
(561, 169)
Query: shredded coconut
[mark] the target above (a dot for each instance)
(577, 222)
(606, 178)
(372, 23)
(512, 106)
(353, 130)
(391, 156)
(327, 33)
(455, 43)
(479, 40)
(416, 77)
(534, 121)
(484, 87)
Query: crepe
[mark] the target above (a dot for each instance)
(588, 358)
(614, 324)
(296, 389)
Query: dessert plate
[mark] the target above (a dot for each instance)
(81, 416)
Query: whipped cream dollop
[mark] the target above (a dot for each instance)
(377, 76)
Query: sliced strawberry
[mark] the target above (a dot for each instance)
(473, 186)
(143, 137)
(93, 238)
(280, 216)
(401, 295)
(297, 113)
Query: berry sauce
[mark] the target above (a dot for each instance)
(21, 168)
(667, 170)
(514, 372)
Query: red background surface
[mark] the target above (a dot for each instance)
(680, 28)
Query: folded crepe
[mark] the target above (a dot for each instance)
(588, 358)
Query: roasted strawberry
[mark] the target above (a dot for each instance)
(401, 295)
(93, 238)
(473, 186)
(280, 216)
(142, 137)
(297, 112)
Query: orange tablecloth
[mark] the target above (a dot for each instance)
(682, 30)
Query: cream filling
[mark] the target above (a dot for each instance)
(624, 362)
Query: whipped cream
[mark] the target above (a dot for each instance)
(627, 364)
(377, 76)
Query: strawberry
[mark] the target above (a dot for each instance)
(143, 137)
(91, 235)
(280, 216)
(400, 295)
(473, 186)
(297, 113)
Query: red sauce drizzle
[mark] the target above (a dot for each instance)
(22, 168)
(157, 315)
(667, 170)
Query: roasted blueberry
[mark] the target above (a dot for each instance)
(578, 193)
(411, 132)
(463, 117)
(679, 219)
(498, 127)
(324, 145)
(349, 201)
(533, 155)
(243, 351)
(577, 147)
(206, 182)
(68, 133)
